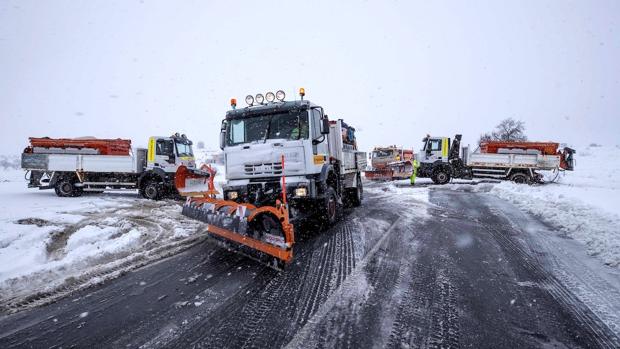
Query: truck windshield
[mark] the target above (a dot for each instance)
(381, 153)
(288, 125)
(184, 149)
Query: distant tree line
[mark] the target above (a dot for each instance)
(10, 163)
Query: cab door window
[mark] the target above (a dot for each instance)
(435, 144)
(164, 147)
(316, 123)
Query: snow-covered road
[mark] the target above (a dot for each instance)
(478, 264)
(433, 268)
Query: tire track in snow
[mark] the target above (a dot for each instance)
(303, 337)
(592, 325)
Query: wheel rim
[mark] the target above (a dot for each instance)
(66, 187)
(151, 191)
(519, 179)
(441, 177)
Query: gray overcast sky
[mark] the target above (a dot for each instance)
(394, 70)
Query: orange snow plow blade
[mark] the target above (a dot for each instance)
(193, 182)
(262, 233)
(384, 174)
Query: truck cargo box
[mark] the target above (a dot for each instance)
(82, 163)
(79, 146)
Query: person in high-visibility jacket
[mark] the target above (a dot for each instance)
(415, 171)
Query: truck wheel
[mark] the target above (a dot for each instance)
(357, 193)
(65, 187)
(520, 178)
(151, 190)
(441, 177)
(331, 207)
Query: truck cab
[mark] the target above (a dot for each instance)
(434, 149)
(168, 153)
(440, 159)
(319, 156)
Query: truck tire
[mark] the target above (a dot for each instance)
(356, 195)
(65, 187)
(520, 178)
(332, 209)
(151, 190)
(440, 176)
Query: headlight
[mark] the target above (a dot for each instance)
(280, 95)
(249, 99)
(260, 99)
(232, 195)
(301, 192)
(270, 97)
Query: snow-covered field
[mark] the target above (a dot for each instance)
(49, 243)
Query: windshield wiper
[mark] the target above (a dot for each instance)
(298, 127)
(268, 129)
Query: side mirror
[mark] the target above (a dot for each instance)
(222, 139)
(325, 126)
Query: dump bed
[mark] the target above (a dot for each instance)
(545, 148)
(94, 146)
(82, 163)
(343, 147)
(533, 161)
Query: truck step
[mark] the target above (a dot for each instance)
(489, 170)
(107, 189)
(124, 184)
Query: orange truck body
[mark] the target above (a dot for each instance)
(104, 146)
(546, 148)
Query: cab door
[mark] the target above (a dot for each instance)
(164, 155)
(436, 149)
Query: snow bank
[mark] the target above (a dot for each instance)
(47, 241)
(583, 204)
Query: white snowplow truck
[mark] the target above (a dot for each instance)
(285, 161)
(517, 161)
(74, 166)
(322, 168)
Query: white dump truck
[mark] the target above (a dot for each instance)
(73, 166)
(518, 161)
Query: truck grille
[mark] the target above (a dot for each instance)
(265, 169)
